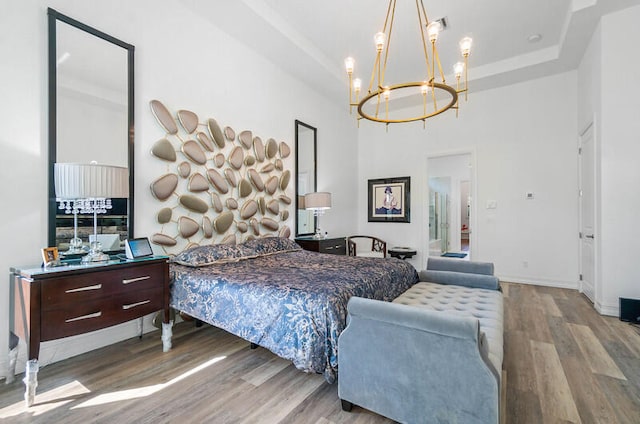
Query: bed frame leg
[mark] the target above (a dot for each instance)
(167, 333)
(346, 405)
(253, 346)
(198, 323)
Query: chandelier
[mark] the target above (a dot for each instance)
(437, 96)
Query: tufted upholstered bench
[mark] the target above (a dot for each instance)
(485, 305)
(434, 354)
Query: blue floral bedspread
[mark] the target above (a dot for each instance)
(293, 303)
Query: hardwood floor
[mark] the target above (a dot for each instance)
(563, 363)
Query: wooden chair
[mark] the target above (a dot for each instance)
(369, 246)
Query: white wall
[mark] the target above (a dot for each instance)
(523, 138)
(620, 155)
(609, 98)
(182, 60)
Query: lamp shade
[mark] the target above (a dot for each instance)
(85, 181)
(317, 201)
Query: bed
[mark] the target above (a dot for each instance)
(272, 293)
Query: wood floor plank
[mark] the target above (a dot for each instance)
(563, 340)
(264, 372)
(622, 396)
(593, 406)
(549, 305)
(523, 407)
(531, 307)
(517, 362)
(293, 391)
(555, 395)
(505, 289)
(626, 333)
(594, 353)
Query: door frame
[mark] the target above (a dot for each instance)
(473, 222)
(597, 295)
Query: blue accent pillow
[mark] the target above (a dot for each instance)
(269, 245)
(222, 253)
(210, 254)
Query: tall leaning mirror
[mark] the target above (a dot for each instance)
(306, 176)
(91, 119)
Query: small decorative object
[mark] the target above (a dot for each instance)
(389, 200)
(49, 255)
(318, 203)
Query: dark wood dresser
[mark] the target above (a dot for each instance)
(52, 303)
(334, 246)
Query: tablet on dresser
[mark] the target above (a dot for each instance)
(138, 248)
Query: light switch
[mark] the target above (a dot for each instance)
(492, 204)
(529, 195)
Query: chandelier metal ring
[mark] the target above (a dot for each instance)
(434, 85)
(429, 33)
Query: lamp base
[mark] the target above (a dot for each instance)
(318, 235)
(75, 247)
(95, 254)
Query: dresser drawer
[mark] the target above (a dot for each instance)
(78, 289)
(100, 313)
(333, 246)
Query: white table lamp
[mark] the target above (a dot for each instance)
(318, 202)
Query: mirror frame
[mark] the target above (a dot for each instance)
(53, 17)
(299, 124)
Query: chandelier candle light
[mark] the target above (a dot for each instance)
(378, 91)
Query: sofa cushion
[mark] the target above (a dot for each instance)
(480, 281)
(457, 265)
(485, 305)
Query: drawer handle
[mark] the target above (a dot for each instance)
(135, 280)
(133, 305)
(94, 315)
(329, 247)
(87, 288)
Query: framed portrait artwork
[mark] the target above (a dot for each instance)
(389, 200)
(49, 254)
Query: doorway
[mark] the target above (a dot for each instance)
(450, 205)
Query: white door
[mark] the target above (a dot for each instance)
(587, 213)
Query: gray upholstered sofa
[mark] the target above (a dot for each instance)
(434, 354)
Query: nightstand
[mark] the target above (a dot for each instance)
(334, 246)
(402, 252)
(52, 303)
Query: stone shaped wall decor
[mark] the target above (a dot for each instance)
(219, 186)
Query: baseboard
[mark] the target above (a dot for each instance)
(58, 350)
(540, 282)
(607, 309)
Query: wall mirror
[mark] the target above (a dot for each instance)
(91, 118)
(306, 176)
